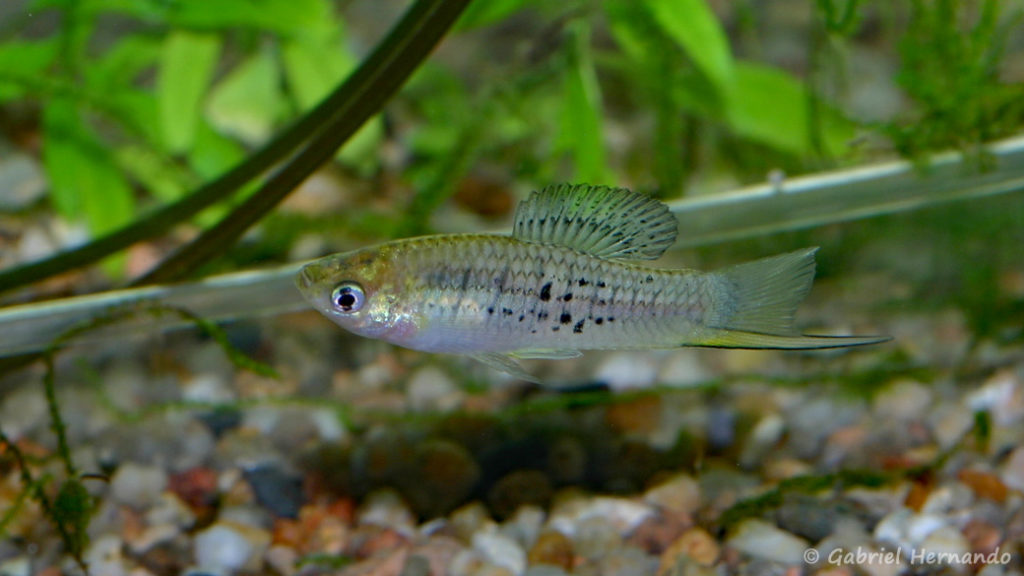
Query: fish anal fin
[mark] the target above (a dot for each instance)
(505, 363)
(598, 220)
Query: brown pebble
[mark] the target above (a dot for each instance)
(695, 545)
(984, 484)
(640, 415)
(554, 548)
(982, 536)
(197, 487)
(378, 541)
(658, 531)
(917, 495)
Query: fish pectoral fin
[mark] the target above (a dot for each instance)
(505, 363)
(598, 220)
(547, 354)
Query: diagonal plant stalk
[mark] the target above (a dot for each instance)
(272, 153)
(360, 97)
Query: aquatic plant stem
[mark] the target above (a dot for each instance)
(225, 186)
(360, 97)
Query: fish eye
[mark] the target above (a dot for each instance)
(348, 297)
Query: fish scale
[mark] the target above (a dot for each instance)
(567, 279)
(459, 283)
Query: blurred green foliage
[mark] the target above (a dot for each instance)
(649, 93)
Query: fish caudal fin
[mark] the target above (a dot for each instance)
(760, 302)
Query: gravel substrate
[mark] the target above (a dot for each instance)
(364, 459)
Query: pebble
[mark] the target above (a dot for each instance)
(679, 494)
(104, 556)
(807, 516)
(761, 540)
(1002, 396)
(694, 545)
(552, 548)
(902, 400)
(684, 369)
(470, 519)
(278, 491)
(137, 485)
(208, 388)
(626, 370)
(946, 540)
(229, 548)
(762, 440)
(385, 508)
(525, 525)
(1012, 472)
(430, 389)
(500, 550)
(544, 570)
(621, 514)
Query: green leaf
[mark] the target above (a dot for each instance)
(247, 104)
(489, 12)
(23, 60)
(186, 64)
(582, 130)
(84, 179)
(771, 107)
(157, 176)
(313, 68)
(122, 63)
(286, 17)
(694, 27)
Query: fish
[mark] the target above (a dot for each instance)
(573, 275)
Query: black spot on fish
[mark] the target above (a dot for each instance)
(649, 279)
(602, 302)
(542, 315)
(490, 310)
(555, 328)
(601, 284)
(582, 282)
(611, 318)
(565, 318)
(534, 331)
(578, 328)
(506, 311)
(522, 317)
(599, 321)
(567, 296)
(545, 292)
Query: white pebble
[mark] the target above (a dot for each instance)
(624, 370)
(431, 389)
(622, 514)
(104, 556)
(386, 508)
(759, 539)
(226, 547)
(1013, 470)
(208, 387)
(683, 369)
(137, 485)
(680, 494)
(500, 550)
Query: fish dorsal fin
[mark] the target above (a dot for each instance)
(598, 220)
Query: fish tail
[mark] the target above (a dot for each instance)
(760, 299)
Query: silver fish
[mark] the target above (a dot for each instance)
(569, 278)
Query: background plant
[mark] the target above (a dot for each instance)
(137, 104)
